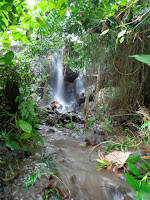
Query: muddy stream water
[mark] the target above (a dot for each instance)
(77, 172)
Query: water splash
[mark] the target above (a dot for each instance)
(58, 73)
(60, 91)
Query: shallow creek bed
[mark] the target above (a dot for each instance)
(77, 178)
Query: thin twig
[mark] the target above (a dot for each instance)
(64, 185)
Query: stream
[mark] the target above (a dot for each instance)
(78, 174)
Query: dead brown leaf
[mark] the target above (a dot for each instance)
(117, 157)
(54, 105)
(116, 172)
(49, 57)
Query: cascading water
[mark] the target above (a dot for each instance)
(62, 89)
(58, 73)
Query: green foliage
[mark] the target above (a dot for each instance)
(133, 159)
(30, 181)
(107, 125)
(41, 171)
(27, 108)
(103, 163)
(9, 139)
(140, 182)
(142, 58)
(128, 143)
(1, 161)
(8, 57)
(70, 125)
(144, 132)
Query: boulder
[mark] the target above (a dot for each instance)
(109, 95)
(69, 75)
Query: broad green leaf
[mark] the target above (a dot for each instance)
(145, 58)
(131, 180)
(23, 104)
(123, 3)
(115, 7)
(25, 126)
(121, 33)
(23, 112)
(12, 145)
(51, 5)
(8, 57)
(62, 12)
(2, 28)
(104, 32)
(135, 171)
(11, 16)
(42, 5)
(17, 36)
(133, 159)
(27, 114)
(30, 107)
(40, 21)
(30, 181)
(25, 136)
(59, 4)
(2, 22)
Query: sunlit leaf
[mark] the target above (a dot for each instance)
(62, 12)
(121, 39)
(25, 126)
(60, 4)
(145, 58)
(30, 181)
(104, 32)
(17, 36)
(121, 33)
(40, 21)
(25, 136)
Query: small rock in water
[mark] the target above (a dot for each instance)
(73, 179)
(50, 130)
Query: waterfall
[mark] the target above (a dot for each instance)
(62, 88)
(57, 63)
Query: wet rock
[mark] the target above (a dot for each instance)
(99, 132)
(73, 179)
(126, 197)
(50, 130)
(75, 117)
(70, 76)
